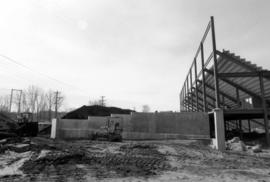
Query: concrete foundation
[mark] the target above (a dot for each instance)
(79, 128)
(142, 126)
(219, 140)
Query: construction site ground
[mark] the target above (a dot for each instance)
(43, 159)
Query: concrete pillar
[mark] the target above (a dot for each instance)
(219, 129)
(54, 128)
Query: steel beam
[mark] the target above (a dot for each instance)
(210, 97)
(238, 74)
(207, 95)
(201, 104)
(235, 85)
(236, 61)
(222, 93)
(190, 100)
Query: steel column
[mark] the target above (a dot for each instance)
(187, 80)
(215, 63)
(266, 121)
(185, 91)
(180, 100)
(203, 79)
(190, 74)
(196, 85)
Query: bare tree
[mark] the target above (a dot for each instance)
(16, 100)
(50, 102)
(145, 108)
(100, 102)
(41, 104)
(94, 102)
(35, 100)
(25, 106)
(31, 97)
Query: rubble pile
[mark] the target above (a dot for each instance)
(236, 144)
(257, 148)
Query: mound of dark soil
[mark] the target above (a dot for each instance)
(95, 110)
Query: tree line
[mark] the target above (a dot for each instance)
(33, 99)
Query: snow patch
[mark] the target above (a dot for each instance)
(21, 145)
(167, 150)
(43, 153)
(12, 162)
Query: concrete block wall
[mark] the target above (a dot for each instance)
(79, 128)
(141, 126)
(141, 122)
(167, 125)
(196, 123)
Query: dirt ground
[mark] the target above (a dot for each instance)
(175, 160)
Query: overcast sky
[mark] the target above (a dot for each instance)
(134, 52)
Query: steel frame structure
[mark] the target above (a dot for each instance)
(223, 80)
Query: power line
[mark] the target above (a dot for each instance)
(26, 67)
(44, 75)
(19, 75)
(19, 78)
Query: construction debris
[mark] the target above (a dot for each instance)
(46, 160)
(235, 144)
(257, 148)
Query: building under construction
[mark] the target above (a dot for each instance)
(220, 79)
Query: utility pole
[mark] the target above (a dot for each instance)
(50, 107)
(57, 99)
(10, 103)
(102, 101)
(56, 103)
(19, 100)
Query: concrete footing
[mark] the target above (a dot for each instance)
(219, 140)
(54, 128)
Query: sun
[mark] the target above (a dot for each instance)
(82, 24)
